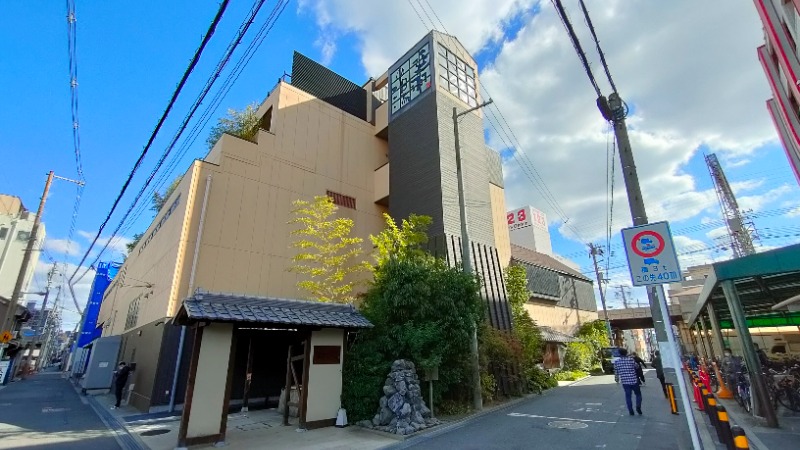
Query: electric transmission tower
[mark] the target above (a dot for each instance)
(741, 230)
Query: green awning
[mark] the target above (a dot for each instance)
(762, 281)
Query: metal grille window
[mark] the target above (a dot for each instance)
(342, 200)
(23, 235)
(133, 314)
(3, 232)
(457, 77)
(543, 282)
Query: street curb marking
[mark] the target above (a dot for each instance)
(535, 416)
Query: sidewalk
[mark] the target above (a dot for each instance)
(255, 429)
(761, 437)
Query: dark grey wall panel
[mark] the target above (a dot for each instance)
(328, 86)
(414, 171)
(474, 163)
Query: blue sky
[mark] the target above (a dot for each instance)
(130, 59)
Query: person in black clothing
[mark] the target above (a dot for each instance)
(121, 378)
(640, 366)
(659, 366)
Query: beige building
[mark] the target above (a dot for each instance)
(375, 148)
(16, 224)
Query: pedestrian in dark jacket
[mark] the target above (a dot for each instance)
(640, 366)
(659, 366)
(120, 379)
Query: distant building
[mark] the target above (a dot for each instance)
(527, 227)
(561, 297)
(16, 224)
(779, 58)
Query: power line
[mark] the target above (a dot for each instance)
(562, 14)
(232, 77)
(597, 44)
(175, 94)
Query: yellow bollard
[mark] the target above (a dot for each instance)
(739, 439)
(673, 404)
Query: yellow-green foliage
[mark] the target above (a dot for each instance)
(329, 257)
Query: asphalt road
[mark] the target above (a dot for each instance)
(587, 415)
(45, 412)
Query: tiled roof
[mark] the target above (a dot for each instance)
(535, 258)
(551, 335)
(219, 307)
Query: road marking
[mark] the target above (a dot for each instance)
(48, 409)
(594, 404)
(535, 416)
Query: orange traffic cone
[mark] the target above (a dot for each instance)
(723, 391)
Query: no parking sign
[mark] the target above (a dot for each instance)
(651, 254)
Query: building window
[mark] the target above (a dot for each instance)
(133, 314)
(344, 201)
(266, 120)
(457, 77)
(3, 232)
(23, 235)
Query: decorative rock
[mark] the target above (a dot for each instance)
(401, 409)
(365, 424)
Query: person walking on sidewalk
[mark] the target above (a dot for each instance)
(625, 373)
(640, 366)
(659, 366)
(121, 378)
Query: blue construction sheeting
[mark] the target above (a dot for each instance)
(89, 330)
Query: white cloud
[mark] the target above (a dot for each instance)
(793, 213)
(717, 233)
(64, 246)
(668, 68)
(60, 294)
(115, 249)
(758, 202)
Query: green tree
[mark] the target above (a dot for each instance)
(595, 335)
(422, 310)
(243, 123)
(329, 256)
(525, 329)
(132, 244)
(159, 200)
(401, 242)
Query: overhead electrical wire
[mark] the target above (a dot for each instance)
(72, 52)
(597, 45)
(562, 14)
(243, 61)
(506, 134)
(137, 164)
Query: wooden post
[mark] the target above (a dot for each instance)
(288, 387)
(304, 387)
(187, 401)
(248, 376)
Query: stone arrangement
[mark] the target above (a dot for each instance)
(402, 408)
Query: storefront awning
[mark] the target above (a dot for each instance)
(221, 307)
(762, 281)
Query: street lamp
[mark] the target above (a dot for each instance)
(466, 261)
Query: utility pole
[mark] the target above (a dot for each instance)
(466, 258)
(8, 320)
(594, 251)
(615, 111)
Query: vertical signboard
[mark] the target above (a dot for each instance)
(410, 78)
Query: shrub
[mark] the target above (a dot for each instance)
(570, 375)
(578, 356)
(405, 305)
